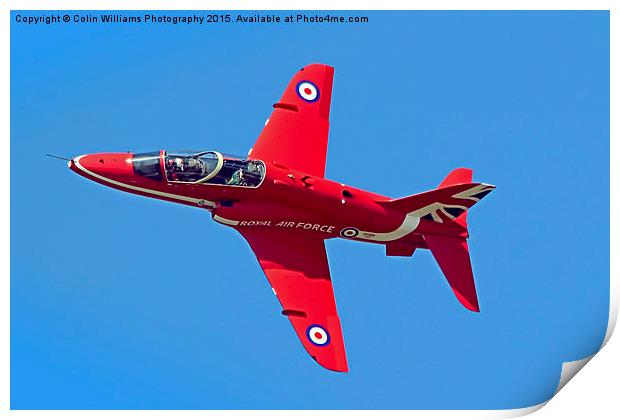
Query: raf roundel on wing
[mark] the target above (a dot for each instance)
(318, 335)
(307, 91)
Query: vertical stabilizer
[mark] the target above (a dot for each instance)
(458, 176)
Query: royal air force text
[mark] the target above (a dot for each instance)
(290, 225)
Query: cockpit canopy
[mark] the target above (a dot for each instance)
(199, 168)
(192, 167)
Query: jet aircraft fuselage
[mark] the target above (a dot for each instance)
(273, 197)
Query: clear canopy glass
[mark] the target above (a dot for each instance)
(213, 168)
(192, 167)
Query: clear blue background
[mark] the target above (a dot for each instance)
(104, 314)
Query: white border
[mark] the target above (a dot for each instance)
(6, 6)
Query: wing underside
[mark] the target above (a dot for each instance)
(298, 271)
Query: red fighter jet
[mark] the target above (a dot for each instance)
(278, 199)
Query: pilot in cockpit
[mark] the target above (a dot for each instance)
(194, 165)
(236, 178)
(186, 169)
(176, 164)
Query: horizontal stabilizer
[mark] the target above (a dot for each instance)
(452, 255)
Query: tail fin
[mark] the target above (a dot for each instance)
(458, 176)
(446, 203)
(452, 255)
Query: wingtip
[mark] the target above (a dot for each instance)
(340, 366)
(326, 66)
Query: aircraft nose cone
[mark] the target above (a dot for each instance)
(104, 166)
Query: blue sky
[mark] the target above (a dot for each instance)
(104, 314)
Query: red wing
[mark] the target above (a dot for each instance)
(297, 268)
(295, 134)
